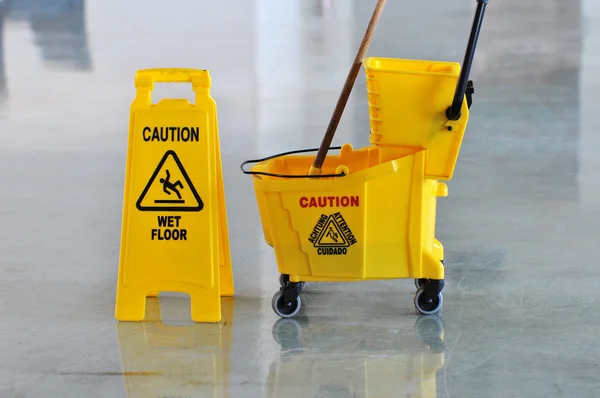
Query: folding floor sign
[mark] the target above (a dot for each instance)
(174, 235)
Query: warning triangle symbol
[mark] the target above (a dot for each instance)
(331, 235)
(169, 188)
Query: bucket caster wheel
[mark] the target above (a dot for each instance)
(420, 282)
(426, 304)
(283, 279)
(283, 307)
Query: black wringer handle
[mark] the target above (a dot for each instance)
(453, 111)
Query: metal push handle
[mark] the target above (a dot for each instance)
(453, 111)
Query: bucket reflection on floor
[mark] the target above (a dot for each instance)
(329, 360)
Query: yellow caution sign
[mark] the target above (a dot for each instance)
(174, 234)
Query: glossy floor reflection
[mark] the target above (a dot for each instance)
(360, 361)
(166, 360)
(520, 224)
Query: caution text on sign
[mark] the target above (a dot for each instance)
(174, 235)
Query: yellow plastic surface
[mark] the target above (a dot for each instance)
(378, 222)
(174, 233)
(407, 108)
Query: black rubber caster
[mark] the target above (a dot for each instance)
(419, 283)
(426, 304)
(283, 279)
(285, 309)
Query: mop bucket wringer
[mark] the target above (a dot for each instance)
(371, 212)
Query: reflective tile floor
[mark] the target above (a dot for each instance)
(520, 226)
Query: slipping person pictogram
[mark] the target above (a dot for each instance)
(332, 234)
(169, 177)
(328, 232)
(168, 185)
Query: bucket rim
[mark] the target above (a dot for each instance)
(455, 66)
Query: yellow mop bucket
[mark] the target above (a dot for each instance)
(370, 213)
(361, 219)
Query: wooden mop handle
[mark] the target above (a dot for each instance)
(346, 90)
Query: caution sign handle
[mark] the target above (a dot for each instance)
(198, 77)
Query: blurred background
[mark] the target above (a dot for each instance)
(520, 224)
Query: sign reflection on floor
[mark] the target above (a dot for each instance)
(191, 361)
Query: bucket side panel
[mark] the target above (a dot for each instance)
(286, 240)
(263, 211)
(415, 214)
(387, 222)
(429, 213)
(330, 224)
(432, 255)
